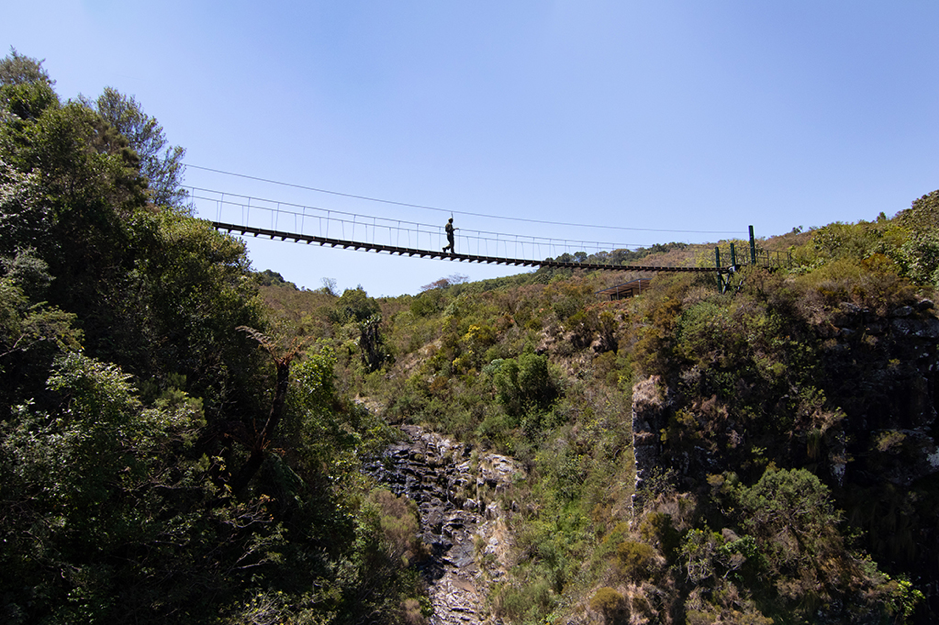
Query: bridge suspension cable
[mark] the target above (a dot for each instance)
(457, 212)
(260, 214)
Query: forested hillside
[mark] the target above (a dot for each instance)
(783, 432)
(161, 459)
(181, 438)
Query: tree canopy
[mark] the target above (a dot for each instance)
(156, 461)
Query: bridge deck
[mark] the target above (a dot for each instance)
(407, 251)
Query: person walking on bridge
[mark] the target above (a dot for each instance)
(449, 228)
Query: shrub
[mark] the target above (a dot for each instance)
(919, 258)
(795, 524)
(871, 283)
(524, 383)
(636, 560)
(532, 600)
(657, 529)
(610, 604)
(355, 305)
(413, 614)
(791, 512)
(398, 520)
(699, 550)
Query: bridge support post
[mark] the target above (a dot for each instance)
(752, 248)
(721, 285)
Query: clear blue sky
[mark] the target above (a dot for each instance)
(671, 118)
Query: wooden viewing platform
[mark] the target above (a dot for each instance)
(626, 290)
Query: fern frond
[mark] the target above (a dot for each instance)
(265, 341)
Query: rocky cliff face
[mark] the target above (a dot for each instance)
(882, 374)
(886, 371)
(869, 431)
(649, 416)
(462, 522)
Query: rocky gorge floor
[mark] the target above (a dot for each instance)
(462, 521)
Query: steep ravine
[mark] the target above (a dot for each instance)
(462, 521)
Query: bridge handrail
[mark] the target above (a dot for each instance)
(377, 247)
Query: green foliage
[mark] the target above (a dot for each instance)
(269, 278)
(792, 513)
(657, 528)
(785, 502)
(161, 165)
(85, 446)
(636, 560)
(93, 475)
(317, 430)
(905, 599)
(659, 311)
(918, 257)
(28, 100)
(28, 272)
(524, 383)
(526, 603)
(771, 376)
(23, 215)
(614, 257)
(840, 240)
(372, 343)
(698, 550)
(355, 305)
(315, 379)
(905, 246)
(31, 337)
(760, 380)
(88, 171)
(727, 603)
(922, 215)
(792, 519)
(705, 332)
(25, 87)
(118, 506)
(611, 604)
(399, 525)
(186, 295)
(18, 69)
(359, 318)
(873, 283)
(427, 303)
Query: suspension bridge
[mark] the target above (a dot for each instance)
(283, 221)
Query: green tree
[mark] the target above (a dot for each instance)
(73, 179)
(189, 290)
(792, 517)
(18, 69)
(25, 87)
(24, 217)
(162, 165)
(208, 496)
(524, 383)
(26, 101)
(355, 305)
(922, 215)
(31, 337)
(918, 255)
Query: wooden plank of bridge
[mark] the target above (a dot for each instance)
(357, 245)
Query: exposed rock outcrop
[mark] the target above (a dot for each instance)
(462, 521)
(649, 416)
